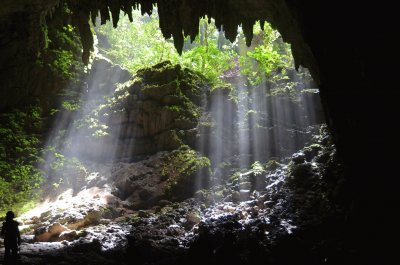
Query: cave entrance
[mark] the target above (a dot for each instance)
(147, 128)
(229, 106)
(257, 107)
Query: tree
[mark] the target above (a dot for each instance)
(268, 59)
(140, 44)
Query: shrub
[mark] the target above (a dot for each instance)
(19, 154)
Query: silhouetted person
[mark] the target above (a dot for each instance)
(12, 237)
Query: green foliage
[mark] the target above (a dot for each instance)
(45, 33)
(136, 45)
(286, 89)
(19, 154)
(183, 87)
(235, 178)
(62, 172)
(70, 105)
(66, 38)
(209, 60)
(62, 62)
(257, 168)
(268, 59)
(272, 165)
(174, 108)
(62, 53)
(313, 147)
(140, 44)
(69, 174)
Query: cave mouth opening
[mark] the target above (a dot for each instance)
(252, 108)
(224, 131)
(315, 35)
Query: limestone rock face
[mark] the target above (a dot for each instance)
(158, 110)
(165, 175)
(29, 64)
(140, 184)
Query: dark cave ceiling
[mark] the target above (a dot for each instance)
(178, 18)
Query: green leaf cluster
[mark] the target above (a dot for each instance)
(64, 172)
(140, 44)
(62, 52)
(268, 59)
(136, 45)
(257, 168)
(19, 155)
(61, 63)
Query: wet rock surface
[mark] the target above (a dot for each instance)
(293, 217)
(101, 244)
(287, 222)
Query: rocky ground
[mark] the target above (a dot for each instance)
(281, 212)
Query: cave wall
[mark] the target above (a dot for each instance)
(349, 48)
(354, 50)
(40, 54)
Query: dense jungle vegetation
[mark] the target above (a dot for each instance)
(140, 44)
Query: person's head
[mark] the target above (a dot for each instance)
(10, 215)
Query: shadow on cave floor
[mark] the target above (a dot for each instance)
(293, 218)
(58, 253)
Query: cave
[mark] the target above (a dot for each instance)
(350, 51)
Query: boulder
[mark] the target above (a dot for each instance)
(50, 233)
(172, 175)
(154, 110)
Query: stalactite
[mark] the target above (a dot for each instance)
(36, 17)
(170, 22)
(127, 8)
(104, 15)
(186, 18)
(146, 6)
(93, 16)
(81, 20)
(248, 31)
(179, 19)
(115, 7)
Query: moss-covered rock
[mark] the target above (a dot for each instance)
(28, 73)
(186, 172)
(160, 108)
(311, 151)
(171, 176)
(272, 165)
